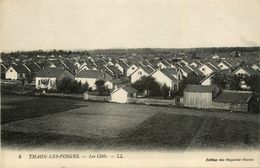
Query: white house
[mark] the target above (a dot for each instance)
(224, 65)
(122, 94)
(185, 70)
(206, 80)
(15, 72)
(122, 66)
(196, 63)
(48, 78)
(245, 71)
(207, 69)
(169, 76)
(131, 69)
(89, 76)
(85, 66)
(163, 64)
(255, 67)
(140, 72)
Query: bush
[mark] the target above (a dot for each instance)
(149, 85)
(67, 85)
(165, 91)
(102, 90)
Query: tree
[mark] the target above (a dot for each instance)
(219, 79)
(227, 81)
(64, 85)
(192, 78)
(165, 91)
(234, 82)
(253, 82)
(102, 90)
(149, 85)
(67, 85)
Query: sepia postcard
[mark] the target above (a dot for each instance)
(130, 83)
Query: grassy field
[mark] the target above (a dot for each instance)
(63, 123)
(15, 108)
(186, 132)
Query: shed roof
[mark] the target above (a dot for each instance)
(232, 96)
(199, 88)
(127, 88)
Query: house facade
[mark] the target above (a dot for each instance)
(131, 69)
(169, 76)
(16, 72)
(48, 78)
(122, 94)
(88, 76)
(140, 72)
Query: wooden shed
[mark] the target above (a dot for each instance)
(233, 100)
(122, 94)
(200, 96)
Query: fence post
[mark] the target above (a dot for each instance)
(86, 95)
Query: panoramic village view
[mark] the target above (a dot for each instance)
(131, 98)
(130, 75)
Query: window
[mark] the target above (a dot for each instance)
(140, 73)
(50, 82)
(11, 70)
(133, 68)
(39, 82)
(203, 69)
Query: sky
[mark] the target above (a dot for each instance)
(93, 24)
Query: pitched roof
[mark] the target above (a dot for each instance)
(185, 69)
(214, 63)
(169, 72)
(69, 64)
(50, 72)
(114, 69)
(6, 58)
(196, 70)
(3, 68)
(123, 64)
(88, 74)
(165, 62)
(57, 63)
(33, 67)
(232, 96)
(20, 68)
(129, 89)
(199, 88)
(249, 70)
(233, 63)
(147, 69)
(211, 67)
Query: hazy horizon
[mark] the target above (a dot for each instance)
(89, 25)
(82, 49)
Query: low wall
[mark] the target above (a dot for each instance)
(151, 101)
(242, 107)
(79, 96)
(96, 98)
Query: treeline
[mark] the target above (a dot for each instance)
(45, 53)
(141, 51)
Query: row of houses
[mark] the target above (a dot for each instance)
(199, 96)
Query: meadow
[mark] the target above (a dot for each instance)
(58, 123)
